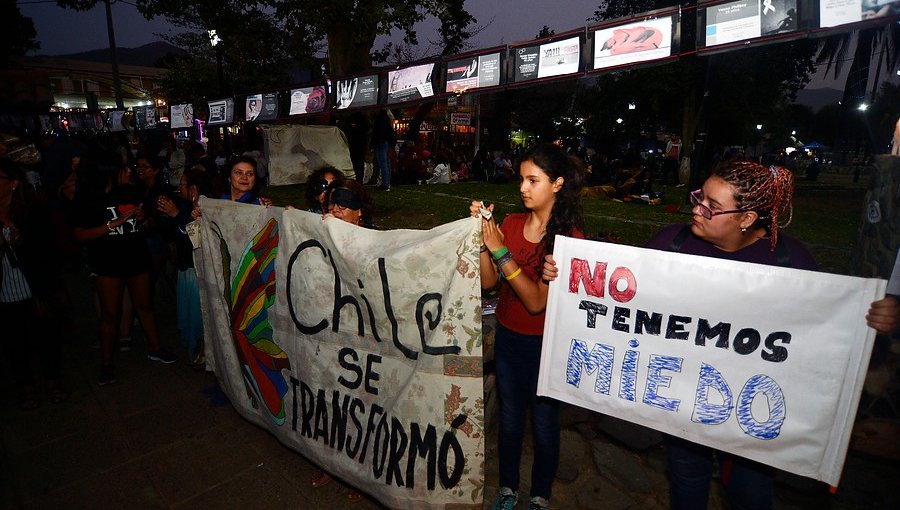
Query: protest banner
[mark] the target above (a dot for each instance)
(760, 361)
(360, 349)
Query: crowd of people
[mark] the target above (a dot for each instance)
(123, 210)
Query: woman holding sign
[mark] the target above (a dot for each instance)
(551, 192)
(737, 215)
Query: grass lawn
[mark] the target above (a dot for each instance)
(826, 216)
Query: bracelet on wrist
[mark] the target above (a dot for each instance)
(514, 274)
(500, 252)
(504, 259)
(483, 248)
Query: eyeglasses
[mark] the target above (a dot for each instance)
(705, 211)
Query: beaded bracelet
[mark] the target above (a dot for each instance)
(499, 253)
(504, 259)
(515, 273)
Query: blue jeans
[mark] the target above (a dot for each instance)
(384, 165)
(517, 358)
(748, 484)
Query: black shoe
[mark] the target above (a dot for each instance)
(107, 375)
(163, 356)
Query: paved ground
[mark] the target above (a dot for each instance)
(164, 437)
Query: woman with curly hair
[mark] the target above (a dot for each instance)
(738, 215)
(511, 254)
(317, 185)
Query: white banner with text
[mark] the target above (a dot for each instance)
(360, 349)
(760, 361)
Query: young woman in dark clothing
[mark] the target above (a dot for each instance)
(109, 217)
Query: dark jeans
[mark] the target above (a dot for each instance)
(517, 358)
(748, 484)
(383, 164)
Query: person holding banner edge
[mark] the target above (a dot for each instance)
(511, 254)
(737, 215)
(349, 201)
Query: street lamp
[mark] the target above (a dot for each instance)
(759, 127)
(862, 107)
(214, 41)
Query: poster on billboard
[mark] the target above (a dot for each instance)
(221, 112)
(738, 21)
(356, 92)
(834, 13)
(307, 100)
(474, 72)
(181, 116)
(410, 83)
(555, 58)
(639, 41)
(261, 107)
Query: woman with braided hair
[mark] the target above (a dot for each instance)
(738, 215)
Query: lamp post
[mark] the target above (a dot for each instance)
(114, 61)
(214, 41)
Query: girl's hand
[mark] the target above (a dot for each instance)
(884, 315)
(195, 212)
(491, 235)
(476, 206)
(549, 271)
(265, 202)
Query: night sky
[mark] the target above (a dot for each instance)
(63, 31)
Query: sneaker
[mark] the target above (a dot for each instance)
(538, 503)
(107, 375)
(506, 499)
(163, 356)
(125, 344)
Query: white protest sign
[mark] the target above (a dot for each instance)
(358, 348)
(760, 361)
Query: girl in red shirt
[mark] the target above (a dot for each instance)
(551, 192)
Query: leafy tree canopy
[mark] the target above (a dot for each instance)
(17, 33)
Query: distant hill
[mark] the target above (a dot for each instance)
(818, 98)
(146, 55)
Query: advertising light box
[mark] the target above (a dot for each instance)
(307, 100)
(356, 92)
(221, 112)
(181, 116)
(410, 83)
(475, 72)
(555, 58)
(261, 107)
(834, 13)
(629, 43)
(748, 19)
